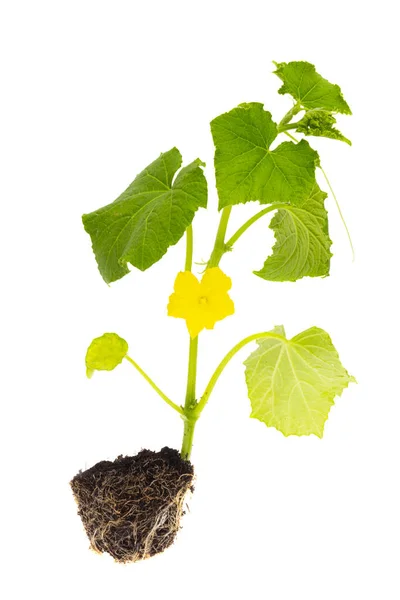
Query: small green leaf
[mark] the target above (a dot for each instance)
(105, 353)
(320, 123)
(302, 246)
(292, 383)
(246, 169)
(301, 81)
(151, 215)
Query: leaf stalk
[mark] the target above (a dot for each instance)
(155, 387)
(189, 248)
(218, 371)
(252, 220)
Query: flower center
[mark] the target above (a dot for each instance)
(203, 300)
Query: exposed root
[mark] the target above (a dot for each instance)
(131, 507)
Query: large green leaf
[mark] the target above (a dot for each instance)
(301, 81)
(292, 383)
(151, 215)
(105, 353)
(302, 241)
(320, 123)
(246, 169)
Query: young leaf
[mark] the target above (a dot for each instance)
(301, 81)
(302, 245)
(246, 169)
(292, 383)
(105, 353)
(151, 215)
(320, 123)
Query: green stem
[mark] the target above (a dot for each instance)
(192, 372)
(154, 386)
(189, 415)
(188, 434)
(190, 401)
(283, 128)
(289, 115)
(251, 338)
(252, 220)
(291, 137)
(189, 248)
(219, 246)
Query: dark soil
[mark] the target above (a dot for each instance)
(131, 507)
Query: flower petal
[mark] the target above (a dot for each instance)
(214, 280)
(186, 283)
(203, 303)
(220, 306)
(177, 306)
(185, 296)
(195, 323)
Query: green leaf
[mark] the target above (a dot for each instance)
(320, 123)
(292, 383)
(105, 353)
(246, 169)
(301, 81)
(302, 247)
(151, 215)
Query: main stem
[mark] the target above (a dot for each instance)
(189, 414)
(219, 245)
(190, 401)
(190, 398)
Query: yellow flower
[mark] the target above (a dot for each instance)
(201, 303)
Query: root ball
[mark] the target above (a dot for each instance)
(131, 507)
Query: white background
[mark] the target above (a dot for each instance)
(91, 93)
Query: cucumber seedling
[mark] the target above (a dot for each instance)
(131, 507)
